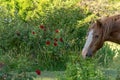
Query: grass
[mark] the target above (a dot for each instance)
(45, 75)
(23, 47)
(49, 75)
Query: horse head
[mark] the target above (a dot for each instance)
(104, 29)
(94, 40)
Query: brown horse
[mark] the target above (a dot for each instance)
(106, 29)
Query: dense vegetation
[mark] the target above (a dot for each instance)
(49, 35)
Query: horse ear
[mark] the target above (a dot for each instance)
(99, 23)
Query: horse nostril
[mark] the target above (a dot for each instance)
(88, 55)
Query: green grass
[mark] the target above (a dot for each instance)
(50, 75)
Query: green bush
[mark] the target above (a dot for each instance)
(44, 38)
(105, 56)
(80, 69)
(39, 36)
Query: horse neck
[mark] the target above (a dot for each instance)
(107, 28)
(114, 35)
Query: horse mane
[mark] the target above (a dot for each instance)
(108, 24)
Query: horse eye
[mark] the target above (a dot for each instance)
(96, 36)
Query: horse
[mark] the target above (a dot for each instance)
(103, 29)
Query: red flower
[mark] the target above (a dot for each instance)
(47, 42)
(38, 72)
(41, 26)
(61, 40)
(55, 40)
(57, 31)
(33, 32)
(55, 44)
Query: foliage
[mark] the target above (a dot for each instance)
(38, 40)
(44, 34)
(103, 57)
(80, 69)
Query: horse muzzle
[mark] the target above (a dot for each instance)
(87, 53)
